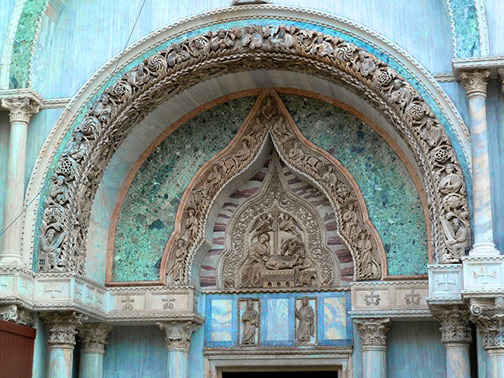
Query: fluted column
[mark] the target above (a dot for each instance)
(21, 108)
(456, 336)
(178, 342)
(93, 337)
(475, 83)
(62, 331)
(374, 346)
(490, 322)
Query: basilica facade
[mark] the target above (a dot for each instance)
(201, 189)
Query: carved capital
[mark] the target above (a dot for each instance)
(455, 324)
(62, 328)
(15, 314)
(488, 315)
(21, 108)
(94, 337)
(178, 334)
(500, 72)
(373, 331)
(475, 82)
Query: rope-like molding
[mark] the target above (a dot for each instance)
(163, 75)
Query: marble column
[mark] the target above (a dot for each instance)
(62, 331)
(374, 346)
(456, 336)
(490, 322)
(475, 83)
(178, 342)
(93, 337)
(21, 107)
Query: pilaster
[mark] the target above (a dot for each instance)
(62, 331)
(374, 346)
(93, 337)
(22, 105)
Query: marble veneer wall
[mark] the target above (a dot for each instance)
(147, 217)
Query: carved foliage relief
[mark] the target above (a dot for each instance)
(277, 242)
(106, 124)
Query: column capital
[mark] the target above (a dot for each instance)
(178, 333)
(62, 328)
(14, 313)
(21, 104)
(475, 82)
(455, 324)
(488, 315)
(373, 331)
(94, 337)
(500, 72)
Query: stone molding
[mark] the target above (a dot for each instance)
(62, 292)
(165, 74)
(455, 324)
(94, 337)
(22, 104)
(373, 331)
(16, 314)
(391, 299)
(178, 334)
(62, 328)
(475, 82)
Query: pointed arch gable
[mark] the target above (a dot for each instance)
(270, 118)
(172, 70)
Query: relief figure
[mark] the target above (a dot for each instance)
(306, 325)
(250, 319)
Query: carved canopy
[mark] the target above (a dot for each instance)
(270, 119)
(80, 166)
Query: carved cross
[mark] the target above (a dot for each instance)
(484, 273)
(372, 299)
(169, 303)
(3, 284)
(413, 298)
(128, 303)
(50, 288)
(445, 282)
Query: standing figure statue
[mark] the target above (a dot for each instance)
(250, 319)
(306, 326)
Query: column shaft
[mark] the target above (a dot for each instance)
(495, 363)
(457, 360)
(93, 338)
(91, 365)
(374, 361)
(178, 364)
(60, 362)
(374, 346)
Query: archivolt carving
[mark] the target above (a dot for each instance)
(269, 117)
(168, 72)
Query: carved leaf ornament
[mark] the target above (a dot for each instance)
(80, 166)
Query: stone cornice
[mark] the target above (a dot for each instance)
(22, 104)
(491, 63)
(475, 82)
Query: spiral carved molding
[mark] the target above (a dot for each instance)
(82, 163)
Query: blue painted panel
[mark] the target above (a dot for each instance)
(415, 350)
(135, 352)
(277, 318)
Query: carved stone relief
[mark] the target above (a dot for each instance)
(250, 322)
(306, 321)
(16, 314)
(276, 240)
(163, 75)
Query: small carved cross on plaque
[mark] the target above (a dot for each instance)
(51, 288)
(3, 284)
(169, 303)
(484, 273)
(445, 282)
(128, 303)
(413, 298)
(372, 299)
